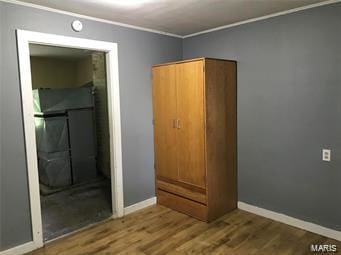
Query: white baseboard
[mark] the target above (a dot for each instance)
(139, 205)
(308, 226)
(20, 249)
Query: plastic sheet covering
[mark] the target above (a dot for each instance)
(82, 125)
(84, 169)
(60, 100)
(63, 115)
(54, 169)
(51, 134)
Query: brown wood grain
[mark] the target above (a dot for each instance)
(182, 184)
(182, 204)
(182, 191)
(164, 110)
(159, 230)
(190, 112)
(191, 60)
(221, 128)
(204, 169)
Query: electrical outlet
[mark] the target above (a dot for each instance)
(326, 155)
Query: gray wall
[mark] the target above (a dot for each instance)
(289, 108)
(1, 50)
(138, 50)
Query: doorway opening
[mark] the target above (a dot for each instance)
(72, 136)
(70, 96)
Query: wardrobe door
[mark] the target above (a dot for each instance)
(190, 109)
(164, 108)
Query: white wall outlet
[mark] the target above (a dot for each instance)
(326, 154)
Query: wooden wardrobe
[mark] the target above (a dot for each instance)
(194, 106)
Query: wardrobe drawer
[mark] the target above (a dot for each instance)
(176, 189)
(183, 205)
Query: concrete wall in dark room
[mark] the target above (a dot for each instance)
(289, 108)
(137, 52)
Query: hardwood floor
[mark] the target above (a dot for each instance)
(159, 230)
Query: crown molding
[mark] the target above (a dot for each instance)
(40, 7)
(327, 2)
(306, 7)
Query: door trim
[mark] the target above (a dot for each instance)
(24, 38)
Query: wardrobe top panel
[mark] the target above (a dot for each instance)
(192, 60)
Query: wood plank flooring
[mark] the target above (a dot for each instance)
(159, 230)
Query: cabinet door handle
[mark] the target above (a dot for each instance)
(178, 123)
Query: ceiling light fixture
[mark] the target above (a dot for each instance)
(126, 3)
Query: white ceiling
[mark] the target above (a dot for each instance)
(181, 17)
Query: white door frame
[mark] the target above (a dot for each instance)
(24, 38)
